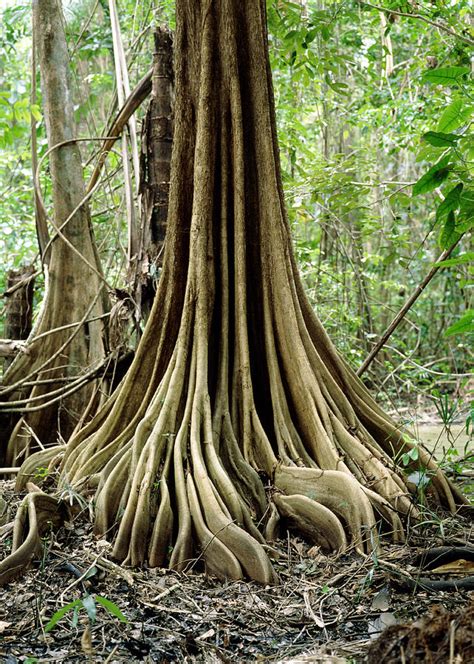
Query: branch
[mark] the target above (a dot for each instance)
(11, 347)
(420, 17)
(404, 310)
(138, 95)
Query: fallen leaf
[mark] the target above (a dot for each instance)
(459, 566)
(379, 624)
(381, 601)
(4, 625)
(206, 635)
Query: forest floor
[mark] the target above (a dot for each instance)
(326, 609)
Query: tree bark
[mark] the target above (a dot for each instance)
(157, 141)
(237, 413)
(19, 305)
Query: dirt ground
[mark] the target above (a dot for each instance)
(326, 609)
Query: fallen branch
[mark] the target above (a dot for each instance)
(138, 95)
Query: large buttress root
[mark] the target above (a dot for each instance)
(237, 413)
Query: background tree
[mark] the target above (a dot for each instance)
(49, 384)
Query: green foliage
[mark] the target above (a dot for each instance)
(361, 244)
(17, 230)
(89, 603)
(441, 140)
(455, 213)
(446, 75)
(455, 115)
(434, 177)
(407, 458)
(463, 325)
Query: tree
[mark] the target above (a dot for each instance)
(49, 384)
(237, 411)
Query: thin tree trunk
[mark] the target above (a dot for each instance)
(157, 141)
(404, 310)
(75, 291)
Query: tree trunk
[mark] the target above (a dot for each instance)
(237, 411)
(67, 339)
(19, 305)
(157, 141)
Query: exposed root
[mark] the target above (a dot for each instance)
(314, 521)
(338, 493)
(37, 513)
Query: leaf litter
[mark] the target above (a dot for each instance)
(326, 609)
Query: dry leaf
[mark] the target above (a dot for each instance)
(381, 601)
(4, 625)
(206, 635)
(459, 566)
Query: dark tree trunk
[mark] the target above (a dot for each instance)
(19, 305)
(157, 141)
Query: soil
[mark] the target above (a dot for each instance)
(326, 609)
(442, 636)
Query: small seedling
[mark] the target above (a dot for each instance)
(408, 457)
(41, 473)
(88, 602)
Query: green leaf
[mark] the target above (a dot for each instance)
(463, 325)
(111, 608)
(90, 573)
(456, 114)
(450, 203)
(466, 204)
(291, 35)
(468, 257)
(89, 605)
(441, 140)
(325, 33)
(428, 153)
(433, 177)
(449, 234)
(445, 75)
(36, 113)
(60, 613)
(75, 616)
